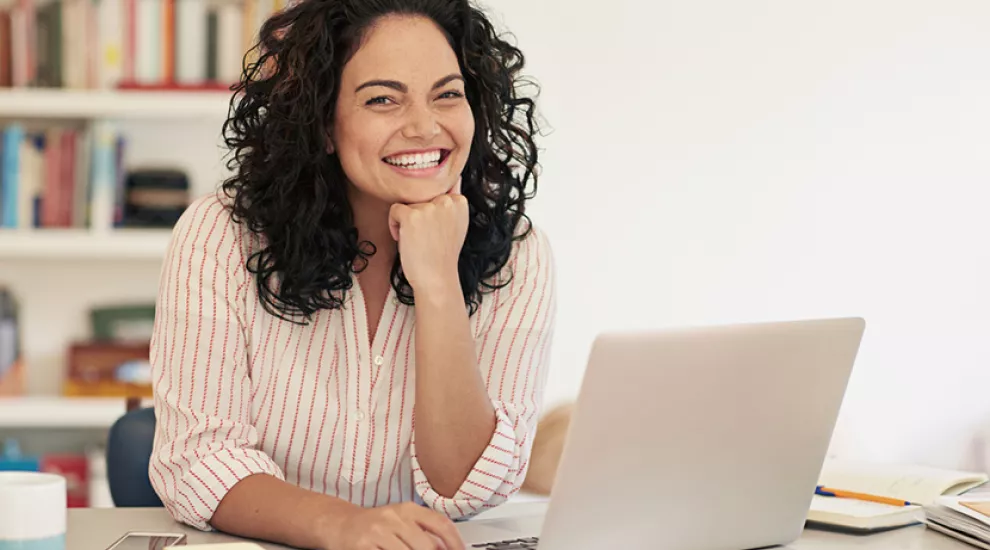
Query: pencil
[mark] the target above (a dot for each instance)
(827, 492)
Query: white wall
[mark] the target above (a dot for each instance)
(720, 161)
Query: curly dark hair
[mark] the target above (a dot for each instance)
(289, 190)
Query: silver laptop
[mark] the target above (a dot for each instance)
(694, 439)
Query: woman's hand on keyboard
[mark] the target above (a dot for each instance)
(404, 526)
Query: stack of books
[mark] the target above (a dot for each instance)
(966, 518)
(61, 177)
(107, 44)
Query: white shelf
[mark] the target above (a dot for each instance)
(87, 104)
(83, 244)
(60, 412)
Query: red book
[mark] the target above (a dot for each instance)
(6, 76)
(67, 179)
(27, 7)
(53, 173)
(75, 470)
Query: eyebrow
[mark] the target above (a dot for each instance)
(400, 87)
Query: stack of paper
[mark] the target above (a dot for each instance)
(963, 517)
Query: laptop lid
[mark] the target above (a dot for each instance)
(705, 438)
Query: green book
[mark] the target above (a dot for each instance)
(212, 30)
(48, 37)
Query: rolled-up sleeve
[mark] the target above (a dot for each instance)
(513, 349)
(204, 439)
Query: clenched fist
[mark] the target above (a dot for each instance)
(430, 237)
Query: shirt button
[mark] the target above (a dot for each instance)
(360, 416)
(379, 360)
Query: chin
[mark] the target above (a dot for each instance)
(411, 191)
(416, 198)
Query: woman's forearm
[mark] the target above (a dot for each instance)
(264, 507)
(455, 419)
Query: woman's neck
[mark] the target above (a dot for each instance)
(371, 222)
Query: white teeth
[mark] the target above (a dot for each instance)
(421, 166)
(418, 161)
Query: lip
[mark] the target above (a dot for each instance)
(445, 155)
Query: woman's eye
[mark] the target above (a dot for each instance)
(453, 94)
(380, 100)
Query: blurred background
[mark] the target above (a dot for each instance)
(704, 162)
(111, 113)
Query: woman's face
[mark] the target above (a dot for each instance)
(402, 126)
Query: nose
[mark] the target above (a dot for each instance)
(421, 123)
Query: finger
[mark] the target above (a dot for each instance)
(442, 527)
(396, 215)
(415, 537)
(444, 200)
(456, 189)
(391, 542)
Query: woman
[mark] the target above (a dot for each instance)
(351, 341)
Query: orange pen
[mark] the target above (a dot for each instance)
(827, 492)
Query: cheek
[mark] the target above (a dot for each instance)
(360, 143)
(354, 160)
(465, 129)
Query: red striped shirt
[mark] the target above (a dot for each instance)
(240, 392)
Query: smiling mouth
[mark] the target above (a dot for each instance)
(418, 161)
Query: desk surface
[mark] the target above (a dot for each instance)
(97, 528)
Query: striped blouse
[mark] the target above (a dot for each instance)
(238, 391)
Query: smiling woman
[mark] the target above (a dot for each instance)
(302, 97)
(351, 339)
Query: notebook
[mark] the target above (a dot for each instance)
(920, 485)
(860, 516)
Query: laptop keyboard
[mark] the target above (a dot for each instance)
(511, 544)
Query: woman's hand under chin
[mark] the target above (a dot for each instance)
(430, 237)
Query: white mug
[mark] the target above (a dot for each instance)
(32, 511)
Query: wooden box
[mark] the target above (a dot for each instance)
(108, 369)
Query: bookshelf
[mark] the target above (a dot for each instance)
(139, 85)
(62, 104)
(57, 274)
(83, 244)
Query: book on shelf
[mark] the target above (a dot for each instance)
(128, 44)
(62, 177)
(11, 356)
(921, 486)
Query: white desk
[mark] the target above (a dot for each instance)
(95, 529)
